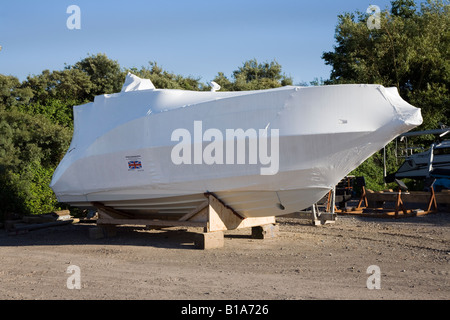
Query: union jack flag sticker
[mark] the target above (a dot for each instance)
(134, 165)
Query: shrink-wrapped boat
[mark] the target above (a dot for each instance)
(157, 152)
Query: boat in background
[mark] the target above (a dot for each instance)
(434, 162)
(155, 153)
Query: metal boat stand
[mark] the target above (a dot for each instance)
(328, 217)
(315, 215)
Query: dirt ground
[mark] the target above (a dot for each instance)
(303, 262)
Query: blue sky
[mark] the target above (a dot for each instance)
(195, 37)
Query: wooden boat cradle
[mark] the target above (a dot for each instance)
(212, 215)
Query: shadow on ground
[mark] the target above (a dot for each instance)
(78, 234)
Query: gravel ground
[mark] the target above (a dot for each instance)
(303, 262)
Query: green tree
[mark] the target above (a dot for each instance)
(410, 51)
(12, 92)
(106, 75)
(403, 8)
(27, 191)
(254, 76)
(163, 79)
(31, 146)
(54, 93)
(94, 75)
(58, 111)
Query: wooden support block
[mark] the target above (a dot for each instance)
(9, 224)
(37, 219)
(432, 204)
(102, 232)
(317, 222)
(363, 199)
(209, 240)
(96, 233)
(109, 231)
(267, 231)
(221, 217)
(327, 218)
(399, 204)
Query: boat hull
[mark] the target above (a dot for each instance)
(423, 165)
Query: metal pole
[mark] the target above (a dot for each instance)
(430, 160)
(384, 165)
(314, 212)
(396, 151)
(333, 200)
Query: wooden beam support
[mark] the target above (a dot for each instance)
(432, 203)
(149, 222)
(209, 194)
(213, 215)
(111, 211)
(399, 204)
(222, 218)
(362, 199)
(193, 212)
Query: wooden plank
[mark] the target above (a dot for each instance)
(413, 197)
(230, 209)
(111, 211)
(201, 216)
(432, 203)
(222, 218)
(147, 222)
(38, 219)
(193, 212)
(36, 226)
(363, 199)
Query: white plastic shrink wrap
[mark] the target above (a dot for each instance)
(148, 151)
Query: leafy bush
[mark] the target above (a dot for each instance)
(27, 191)
(30, 149)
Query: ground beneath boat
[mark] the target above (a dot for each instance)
(304, 262)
